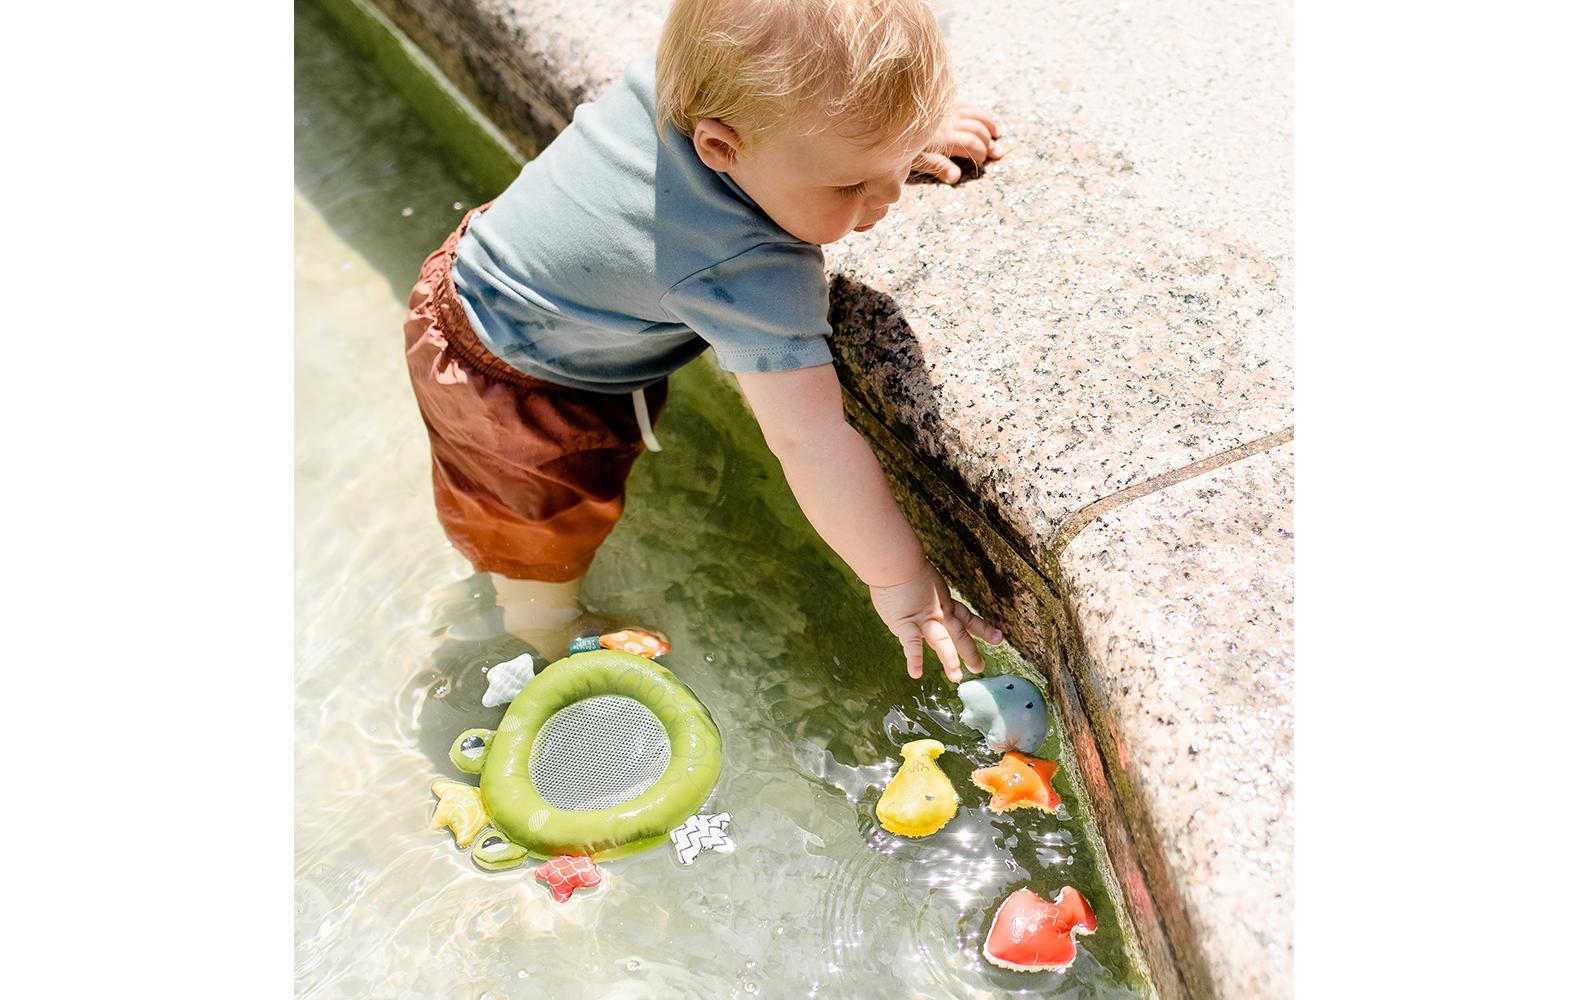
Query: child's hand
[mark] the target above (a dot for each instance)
(920, 609)
(968, 133)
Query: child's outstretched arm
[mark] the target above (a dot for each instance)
(843, 492)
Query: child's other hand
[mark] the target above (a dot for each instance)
(921, 610)
(968, 133)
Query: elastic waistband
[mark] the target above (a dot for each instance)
(455, 324)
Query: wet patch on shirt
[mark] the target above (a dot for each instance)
(718, 292)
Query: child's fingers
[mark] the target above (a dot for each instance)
(970, 144)
(937, 165)
(985, 148)
(988, 634)
(943, 645)
(970, 111)
(964, 644)
(992, 635)
(909, 636)
(975, 127)
(976, 626)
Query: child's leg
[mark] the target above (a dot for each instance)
(545, 614)
(529, 476)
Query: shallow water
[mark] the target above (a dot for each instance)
(771, 632)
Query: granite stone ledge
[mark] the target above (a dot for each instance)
(1104, 309)
(526, 64)
(1182, 603)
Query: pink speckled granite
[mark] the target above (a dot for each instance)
(1183, 601)
(1109, 301)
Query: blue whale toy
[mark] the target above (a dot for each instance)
(1008, 709)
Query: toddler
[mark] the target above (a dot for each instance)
(687, 208)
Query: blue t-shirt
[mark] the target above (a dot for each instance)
(613, 259)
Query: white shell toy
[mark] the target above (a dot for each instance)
(507, 679)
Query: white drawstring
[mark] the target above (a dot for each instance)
(643, 415)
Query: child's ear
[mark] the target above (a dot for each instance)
(716, 144)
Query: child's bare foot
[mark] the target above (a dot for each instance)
(550, 630)
(546, 615)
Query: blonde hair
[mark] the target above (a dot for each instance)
(873, 70)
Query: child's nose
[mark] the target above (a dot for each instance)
(889, 191)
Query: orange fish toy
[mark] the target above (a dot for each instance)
(1019, 781)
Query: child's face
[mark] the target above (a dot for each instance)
(818, 188)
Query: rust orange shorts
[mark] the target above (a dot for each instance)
(529, 475)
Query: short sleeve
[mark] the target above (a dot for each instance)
(762, 311)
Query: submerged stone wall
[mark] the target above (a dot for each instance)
(1076, 368)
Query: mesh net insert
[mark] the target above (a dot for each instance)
(598, 752)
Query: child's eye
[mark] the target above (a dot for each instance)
(851, 190)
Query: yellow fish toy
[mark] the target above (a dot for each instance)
(919, 800)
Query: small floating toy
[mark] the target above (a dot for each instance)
(460, 808)
(507, 679)
(636, 641)
(702, 833)
(625, 640)
(601, 754)
(1009, 710)
(567, 873)
(1030, 934)
(919, 800)
(494, 852)
(1019, 781)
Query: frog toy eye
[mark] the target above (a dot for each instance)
(470, 748)
(494, 852)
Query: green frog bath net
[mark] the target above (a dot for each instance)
(601, 754)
